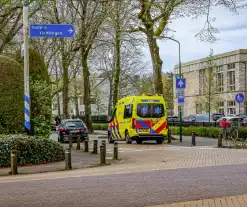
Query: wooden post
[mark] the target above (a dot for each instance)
(95, 147)
(115, 153)
(14, 157)
(86, 145)
(102, 155)
(169, 136)
(68, 165)
(193, 139)
(104, 144)
(78, 147)
(70, 141)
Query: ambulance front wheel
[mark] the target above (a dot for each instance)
(127, 138)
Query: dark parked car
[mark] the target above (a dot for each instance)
(172, 119)
(198, 118)
(75, 127)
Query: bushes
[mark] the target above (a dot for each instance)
(187, 131)
(30, 151)
(11, 96)
(205, 131)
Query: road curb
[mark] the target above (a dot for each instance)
(102, 137)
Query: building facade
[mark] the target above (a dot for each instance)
(228, 78)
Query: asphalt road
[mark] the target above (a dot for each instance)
(133, 189)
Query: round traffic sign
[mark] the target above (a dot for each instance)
(239, 98)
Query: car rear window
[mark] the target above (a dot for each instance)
(150, 110)
(75, 123)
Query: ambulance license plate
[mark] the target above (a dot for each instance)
(144, 130)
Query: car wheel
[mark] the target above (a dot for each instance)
(139, 141)
(110, 140)
(127, 138)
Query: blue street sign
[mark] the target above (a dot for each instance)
(180, 83)
(52, 30)
(239, 98)
(180, 99)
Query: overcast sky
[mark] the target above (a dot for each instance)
(232, 36)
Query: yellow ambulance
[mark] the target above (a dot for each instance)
(139, 118)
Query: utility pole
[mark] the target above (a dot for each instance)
(27, 100)
(245, 90)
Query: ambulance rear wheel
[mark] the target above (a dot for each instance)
(138, 141)
(159, 141)
(127, 138)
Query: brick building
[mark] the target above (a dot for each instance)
(230, 76)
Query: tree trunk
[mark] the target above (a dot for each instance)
(87, 105)
(157, 64)
(118, 56)
(58, 97)
(65, 87)
(110, 99)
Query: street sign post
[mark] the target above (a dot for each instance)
(180, 98)
(180, 83)
(239, 98)
(52, 30)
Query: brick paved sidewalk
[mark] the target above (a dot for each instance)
(231, 201)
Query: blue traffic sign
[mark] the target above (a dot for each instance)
(180, 98)
(52, 30)
(180, 83)
(239, 98)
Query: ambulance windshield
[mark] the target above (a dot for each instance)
(150, 110)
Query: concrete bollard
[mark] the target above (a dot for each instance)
(102, 155)
(193, 139)
(115, 152)
(70, 141)
(169, 136)
(95, 147)
(14, 157)
(104, 144)
(78, 146)
(68, 165)
(86, 145)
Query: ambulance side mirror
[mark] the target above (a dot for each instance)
(112, 117)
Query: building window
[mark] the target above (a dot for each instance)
(202, 80)
(231, 80)
(198, 108)
(219, 68)
(92, 100)
(231, 66)
(55, 107)
(221, 107)
(220, 82)
(231, 108)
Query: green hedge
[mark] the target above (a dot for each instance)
(30, 150)
(187, 131)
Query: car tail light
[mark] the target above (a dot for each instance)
(83, 128)
(133, 123)
(63, 129)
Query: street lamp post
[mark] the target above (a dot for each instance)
(180, 76)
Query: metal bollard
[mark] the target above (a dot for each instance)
(14, 156)
(193, 139)
(68, 165)
(78, 147)
(102, 155)
(169, 136)
(220, 140)
(115, 153)
(95, 147)
(86, 145)
(70, 141)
